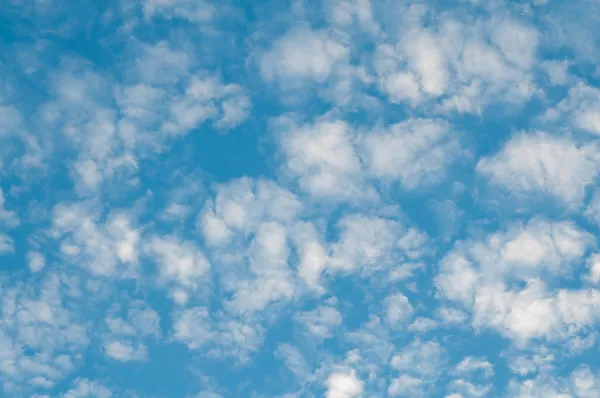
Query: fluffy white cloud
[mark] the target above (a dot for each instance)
(501, 280)
(467, 389)
(419, 364)
(7, 217)
(581, 383)
(539, 163)
(581, 109)
(592, 210)
(302, 54)
(124, 338)
(471, 364)
(415, 152)
(464, 63)
(6, 244)
(422, 325)
(192, 10)
(406, 385)
(179, 260)
(85, 388)
(207, 98)
(41, 338)
(346, 13)
(241, 205)
(343, 385)
(270, 277)
(313, 254)
(247, 225)
(322, 157)
(594, 268)
(295, 361)
(330, 159)
(422, 358)
(219, 336)
(107, 248)
(468, 369)
(366, 244)
(125, 351)
(321, 322)
(35, 261)
(397, 309)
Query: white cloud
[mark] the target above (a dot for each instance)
(313, 255)
(208, 394)
(161, 63)
(41, 335)
(343, 385)
(111, 126)
(124, 338)
(247, 226)
(346, 13)
(592, 210)
(125, 351)
(207, 98)
(322, 157)
(241, 205)
(107, 248)
(451, 316)
(8, 217)
(179, 261)
(422, 358)
(35, 261)
(467, 389)
(302, 54)
(581, 108)
(397, 309)
(374, 347)
(406, 385)
(220, 337)
(295, 361)
(85, 388)
(6, 244)
(422, 325)
(524, 365)
(198, 11)
(81, 108)
(540, 163)
(270, 278)
(194, 327)
(581, 383)
(594, 268)
(534, 313)
(471, 365)
(426, 58)
(557, 71)
(501, 280)
(331, 160)
(415, 152)
(12, 121)
(366, 244)
(321, 322)
(518, 42)
(468, 63)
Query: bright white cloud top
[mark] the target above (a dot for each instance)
(331, 198)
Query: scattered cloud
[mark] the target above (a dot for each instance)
(341, 198)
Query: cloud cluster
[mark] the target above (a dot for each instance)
(337, 198)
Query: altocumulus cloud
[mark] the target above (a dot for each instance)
(330, 198)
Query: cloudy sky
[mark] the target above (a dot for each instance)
(294, 198)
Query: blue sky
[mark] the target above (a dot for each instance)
(336, 198)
